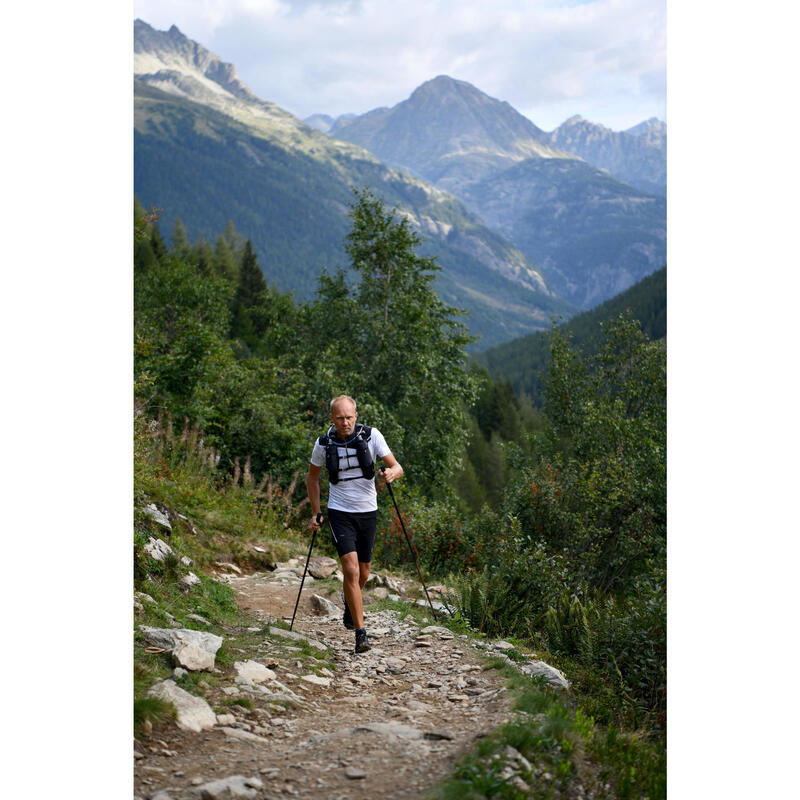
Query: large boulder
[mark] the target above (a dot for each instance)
(193, 713)
(554, 677)
(195, 650)
(159, 517)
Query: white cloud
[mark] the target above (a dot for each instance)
(549, 59)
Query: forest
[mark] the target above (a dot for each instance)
(548, 521)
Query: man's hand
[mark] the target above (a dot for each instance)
(391, 473)
(316, 521)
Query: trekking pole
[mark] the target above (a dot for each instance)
(305, 569)
(410, 546)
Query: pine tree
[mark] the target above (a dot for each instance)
(225, 265)
(180, 241)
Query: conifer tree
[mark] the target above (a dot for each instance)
(180, 241)
(225, 265)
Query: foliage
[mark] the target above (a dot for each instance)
(525, 361)
(389, 339)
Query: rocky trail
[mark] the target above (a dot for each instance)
(306, 716)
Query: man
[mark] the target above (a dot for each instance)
(349, 452)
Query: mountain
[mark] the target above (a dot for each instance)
(637, 156)
(447, 132)
(524, 361)
(592, 236)
(206, 149)
(324, 122)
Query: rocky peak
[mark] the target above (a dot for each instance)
(162, 52)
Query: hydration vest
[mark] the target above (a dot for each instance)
(358, 442)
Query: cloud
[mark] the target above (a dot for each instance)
(336, 56)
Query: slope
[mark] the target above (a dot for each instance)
(209, 151)
(549, 203)
(524, 361)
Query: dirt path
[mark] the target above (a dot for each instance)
(390, 724)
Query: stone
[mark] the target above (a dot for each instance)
(157, 549)
(145, 598)
(438, 631)
(392, 730)
(225, 719)
(234, 786)
(243, 735)
(192, 656)
(163, 794)
(380, 592)
(187, 581)
(554, 676)
(438, 734)
(324, 607)
(253, 671)
(282, 633)
(318, 680)
(193, 713)
(502, 645)
(355, 774)
(322, 567)
(198, 618)
(179, 672)
(393, 585)
(259, 549)
(186, 561)
(170, 639)
(395, 665)
(158, 516)
(338, 575)
(227, 565)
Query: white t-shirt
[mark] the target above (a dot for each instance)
(358, 494)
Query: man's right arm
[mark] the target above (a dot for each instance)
(312, 484)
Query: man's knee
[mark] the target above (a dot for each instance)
(350, 570)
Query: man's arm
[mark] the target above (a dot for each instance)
(312, 484)
(393, 469)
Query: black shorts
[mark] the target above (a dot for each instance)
(354, 532)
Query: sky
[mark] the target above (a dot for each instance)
(551, 59)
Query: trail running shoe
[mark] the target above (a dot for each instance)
(362, 642)
(347, 618)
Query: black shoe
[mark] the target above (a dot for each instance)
(362, 642)
(347, 617)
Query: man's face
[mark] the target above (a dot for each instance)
(344, 418)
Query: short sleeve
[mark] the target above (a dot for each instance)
(318, 455)
(381, 448)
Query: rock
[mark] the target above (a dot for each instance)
(169, 639)
(244, 736)
(235, 786)
(186, 561)
(338, 575)
(162, 794)
(392, 730)
(227, 565)
(393, 585)
(435, 735)
(438, 631)
(187, 581)
(145, 598)
(355, 774)
(322, 567)
(298, 637)
(318, 680)
(154, 514)
(324, 607)
(395, 665)
(231, 690)
(502, 645)
(259, 549)
(179, 672)
(157, 549)
(417, 705)
(193, 713)
(225, 719)
(192, 656)
(198, 618)
(381, 592)
(253, 671)
(554, 677)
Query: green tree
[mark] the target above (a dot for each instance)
(180, 241)
(394, 344)
(225, 265)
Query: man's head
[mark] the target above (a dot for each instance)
(344, 415)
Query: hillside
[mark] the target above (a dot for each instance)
(207, 150)
(525, 361)
(592, 236)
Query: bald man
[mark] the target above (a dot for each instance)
(349, 451)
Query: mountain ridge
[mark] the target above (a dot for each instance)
(201, 149)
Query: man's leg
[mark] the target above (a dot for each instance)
(353, 584)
